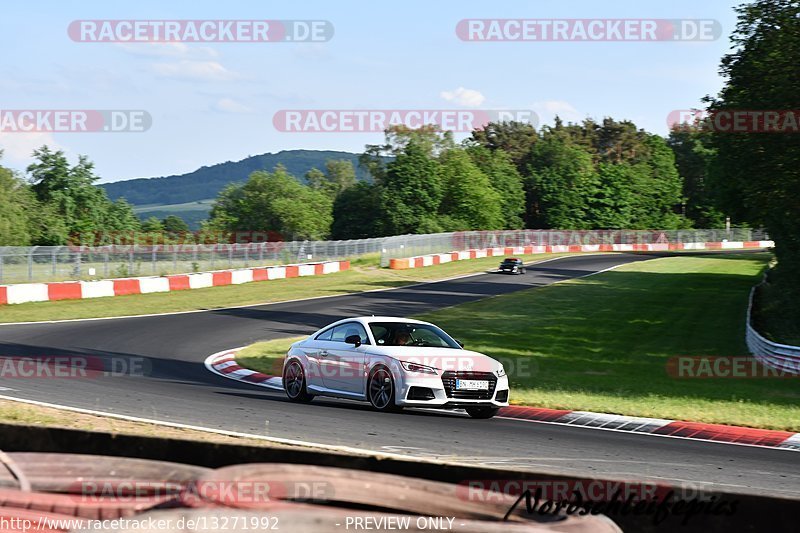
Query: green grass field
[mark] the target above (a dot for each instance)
(365, 274)
(602, 343)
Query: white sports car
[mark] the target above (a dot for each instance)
(394, 363)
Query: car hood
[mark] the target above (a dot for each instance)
(440, 358)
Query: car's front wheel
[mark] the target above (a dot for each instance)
(381, 390)
(482, 412)
(294, 382)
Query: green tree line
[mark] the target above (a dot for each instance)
(608, 175)
(57, 203)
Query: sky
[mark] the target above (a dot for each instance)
(212, 102)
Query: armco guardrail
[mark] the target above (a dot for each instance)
(404, 246)
(436, 259)
(775, 355)
(27, 264)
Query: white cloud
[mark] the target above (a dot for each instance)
(194, 71)
(229, 105)
(18, 147)
(464, 97)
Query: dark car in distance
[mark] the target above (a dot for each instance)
(512, 265)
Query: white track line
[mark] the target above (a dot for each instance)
(350, 450)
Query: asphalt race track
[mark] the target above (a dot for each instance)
(178, 388)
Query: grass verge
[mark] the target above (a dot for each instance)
(364, 275)
(602, 343)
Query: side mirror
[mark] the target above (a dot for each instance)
(354, 339)
(459, 342)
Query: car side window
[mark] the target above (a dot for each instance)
(342, 331)
(325, 335)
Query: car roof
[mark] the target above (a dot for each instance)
(368, 319)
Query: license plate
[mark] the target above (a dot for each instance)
(471, 384)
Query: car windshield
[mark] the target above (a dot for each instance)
(408, 334)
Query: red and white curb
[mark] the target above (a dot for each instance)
(224, 364)
(421, 261)
(659, 426)
(78, 290)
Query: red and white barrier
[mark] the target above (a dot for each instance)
(436, 259)
(78, 290)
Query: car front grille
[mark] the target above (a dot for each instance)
(449, 382)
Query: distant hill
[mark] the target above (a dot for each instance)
(206, 182)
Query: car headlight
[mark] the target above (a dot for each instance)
(416, 367)
(500, 372)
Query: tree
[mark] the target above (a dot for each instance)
(410, 192)
(757, 173)
(656, 187)
(693, 158)
(430, 139)
(514, 138)
(356, 213)
(152, 225)
(70, 194)
(276, 202)
(469, 202)
(339, 176)
(505, 179)
(16, 203)
(175, 225)
(561, 179)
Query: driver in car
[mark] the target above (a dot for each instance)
(402, 338)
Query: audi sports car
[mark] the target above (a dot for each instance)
(512, 265)
(394, 363)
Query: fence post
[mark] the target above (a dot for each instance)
(78, 264)
(30, 264)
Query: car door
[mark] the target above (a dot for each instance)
(312, 349)
(342, 364)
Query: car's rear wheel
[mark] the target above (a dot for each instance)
(294, 382)
(381, 390)
(482, 412)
